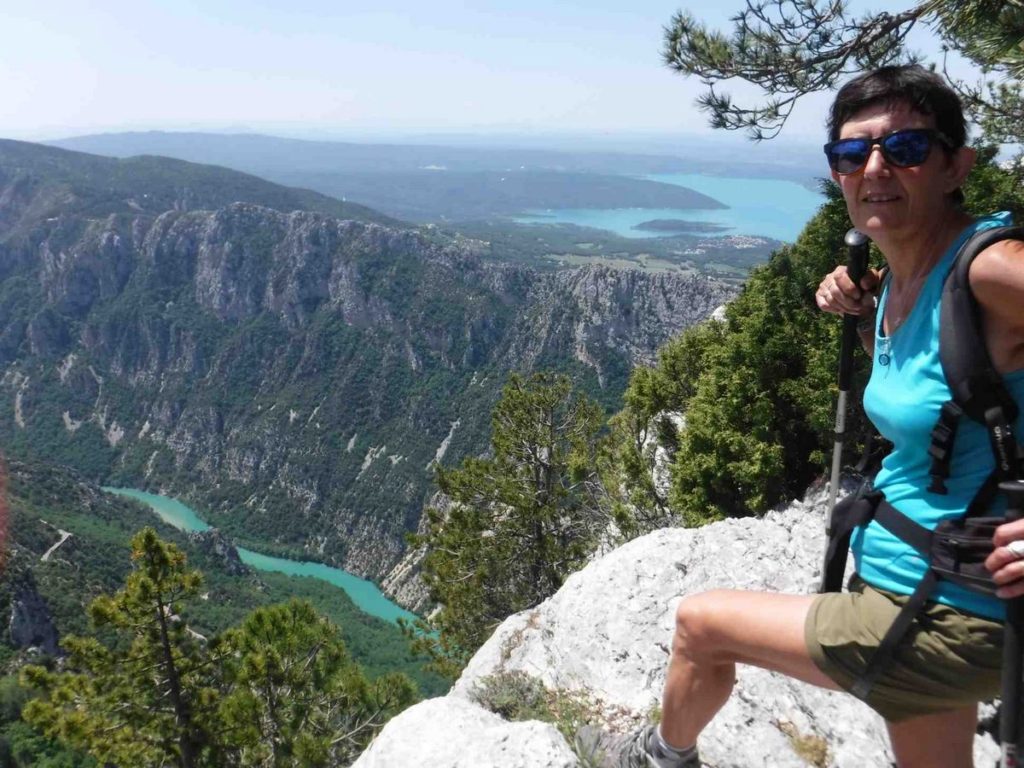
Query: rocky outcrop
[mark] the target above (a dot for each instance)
(605, 636)
(31, 625)
(218, 546)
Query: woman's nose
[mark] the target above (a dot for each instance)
(876, 163)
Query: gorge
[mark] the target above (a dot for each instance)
(298, 373)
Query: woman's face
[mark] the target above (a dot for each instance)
(888, 201)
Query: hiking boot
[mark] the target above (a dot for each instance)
(600, 749)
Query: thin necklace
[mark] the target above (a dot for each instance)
(905, 295)
(897, 312)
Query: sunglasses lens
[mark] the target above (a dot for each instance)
(848, 155)
(907, 148)
(903, 149)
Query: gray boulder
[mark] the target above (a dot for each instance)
(451, 732)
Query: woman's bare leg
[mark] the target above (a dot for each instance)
(715, 631)
(945, 740)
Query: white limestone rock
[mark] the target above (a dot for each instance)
(606, 635)
(451, 732)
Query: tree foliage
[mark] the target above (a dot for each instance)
(295, 697)
(645, 434)
(789, 48)
(148, 701)
(278, 691)
(519, 521)
(755, 389)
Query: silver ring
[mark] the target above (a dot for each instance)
(1016, 548)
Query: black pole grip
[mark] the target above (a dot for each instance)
(1012, 682)
(856, 265)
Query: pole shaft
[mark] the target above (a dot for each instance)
(856, 265)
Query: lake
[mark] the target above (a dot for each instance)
(764, 207)
(365, 594)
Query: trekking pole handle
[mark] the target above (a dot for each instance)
(857, 256)
(857, 244)
(1013, 673)
(1014, 491)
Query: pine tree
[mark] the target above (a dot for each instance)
(296, 697)
(519, 521)
(789, 48)
(147, 699)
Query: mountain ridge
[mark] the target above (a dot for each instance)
(48, 180)
(426, 183)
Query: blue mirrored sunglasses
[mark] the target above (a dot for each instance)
(903, 149)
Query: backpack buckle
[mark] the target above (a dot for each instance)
(941, 448)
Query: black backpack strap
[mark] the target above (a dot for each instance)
(855, 510)
(984, 497)
(886, 650)
(973, 380)
(1008, 453)
(920, 538)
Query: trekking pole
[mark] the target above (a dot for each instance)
(1012, 684)
(856, 265)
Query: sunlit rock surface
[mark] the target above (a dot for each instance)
(606, 633)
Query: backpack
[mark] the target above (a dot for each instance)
(956, 550)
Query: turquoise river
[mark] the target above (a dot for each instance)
(365, 594)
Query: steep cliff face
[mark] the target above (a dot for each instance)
(602, 642)
(294, 375)
(31, 624)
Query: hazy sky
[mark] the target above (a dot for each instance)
(352, 67)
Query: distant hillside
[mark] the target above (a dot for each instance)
(273, 154)
(41, 181)
(425, 183)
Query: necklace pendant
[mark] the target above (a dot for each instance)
(884, 350)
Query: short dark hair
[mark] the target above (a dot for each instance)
(911, 84)
(920, 89)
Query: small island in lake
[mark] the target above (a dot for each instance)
(680, 225)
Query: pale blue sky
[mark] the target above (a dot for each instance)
(352, 68)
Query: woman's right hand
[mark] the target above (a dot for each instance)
(838, 294)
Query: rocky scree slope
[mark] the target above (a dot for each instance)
(294, 375)
(605, 636)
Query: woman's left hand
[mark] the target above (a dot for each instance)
(1007, 569)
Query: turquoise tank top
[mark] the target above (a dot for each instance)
(903, 398)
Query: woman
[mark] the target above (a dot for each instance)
(902, 189)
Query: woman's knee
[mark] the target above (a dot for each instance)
(699, 631)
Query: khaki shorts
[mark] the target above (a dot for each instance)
(948, 659)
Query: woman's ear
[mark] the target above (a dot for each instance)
(961, 163)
